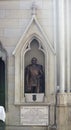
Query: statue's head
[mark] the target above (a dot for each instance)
(34, 60)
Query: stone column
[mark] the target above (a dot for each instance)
(68, 45)
(55, 39)
(61, 44)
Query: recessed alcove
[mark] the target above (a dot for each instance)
(35, 49)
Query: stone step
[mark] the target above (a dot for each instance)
(28, 128)
(25, 128)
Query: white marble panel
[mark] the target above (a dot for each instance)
(34, 115)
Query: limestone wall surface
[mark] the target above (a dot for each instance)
(14, 18)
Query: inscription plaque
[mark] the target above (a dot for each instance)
(34, 115)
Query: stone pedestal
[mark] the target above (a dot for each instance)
(62, 112)
(34, 97)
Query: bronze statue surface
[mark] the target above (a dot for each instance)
(34, 77)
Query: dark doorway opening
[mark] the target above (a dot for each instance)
(2, 83)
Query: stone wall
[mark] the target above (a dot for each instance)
(14, 18)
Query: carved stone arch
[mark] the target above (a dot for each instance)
(3, 60)
(33, 49)
(26, 48)
(39, 39)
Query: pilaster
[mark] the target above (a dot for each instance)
(62, 112)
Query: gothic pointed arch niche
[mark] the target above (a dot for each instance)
(35, 49)
(32, 48)
(3, 76)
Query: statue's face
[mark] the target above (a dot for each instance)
(34, 60)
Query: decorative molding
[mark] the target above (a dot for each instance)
(34, 20)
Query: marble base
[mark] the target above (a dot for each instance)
(34, 97)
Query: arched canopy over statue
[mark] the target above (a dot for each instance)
(34, 77)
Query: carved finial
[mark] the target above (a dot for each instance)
(34, 8)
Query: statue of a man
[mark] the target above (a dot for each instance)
(34, 77)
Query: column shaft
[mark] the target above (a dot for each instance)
(68, 45)
(62, 45)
